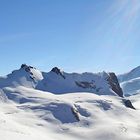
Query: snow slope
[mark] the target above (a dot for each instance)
(73, 116)
(134, 73)
(130, 82)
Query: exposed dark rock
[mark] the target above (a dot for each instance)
(58, 72)
(23, 66)
(115, 86)
(32, 78)
(75, 113)
(85, 84)
(26, 67)
(28, 70)
(31, 67)
(31, 73)
(128, 104)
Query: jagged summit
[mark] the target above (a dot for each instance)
(56, 70)
(27, 67)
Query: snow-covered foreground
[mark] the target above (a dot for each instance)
(38, 115)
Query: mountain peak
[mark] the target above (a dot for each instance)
(56, 70)
(27, 67)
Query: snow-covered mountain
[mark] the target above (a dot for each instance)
(65, 106)
(59, 82)
(130, 82)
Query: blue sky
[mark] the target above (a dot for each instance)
(75, 35)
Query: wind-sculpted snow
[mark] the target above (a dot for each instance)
(73, 116)
(56, 105)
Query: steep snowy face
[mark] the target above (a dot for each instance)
(130, 82)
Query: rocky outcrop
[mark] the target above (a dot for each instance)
(85, 84)
(128, 104)
(115, 86)
(58, 71)
(75, 113)
(28, 69)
